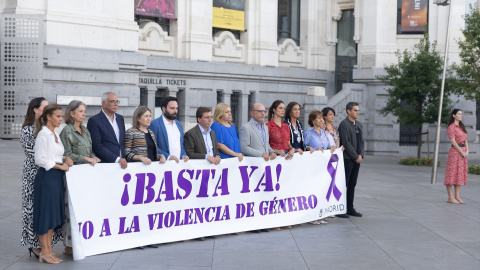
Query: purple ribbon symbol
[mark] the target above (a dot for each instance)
(333, 171)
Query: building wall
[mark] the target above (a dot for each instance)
(96, 46)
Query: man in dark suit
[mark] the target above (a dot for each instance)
(200, 141)
(107, 130)
(169, 131)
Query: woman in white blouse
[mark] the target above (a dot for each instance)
(49, 200)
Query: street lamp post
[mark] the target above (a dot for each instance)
(437, 137)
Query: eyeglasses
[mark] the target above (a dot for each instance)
(114, 102)
(357, 130)
(260, 111)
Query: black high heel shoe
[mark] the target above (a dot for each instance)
(31, 251)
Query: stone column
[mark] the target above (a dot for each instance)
(261, 36)
(244, 110)
(194, 36)
(172, 91)
(151, 90)
(227, 97)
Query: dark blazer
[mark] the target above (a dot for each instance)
(348, 138)
(158, 128)
(195, 144)
(104, 141)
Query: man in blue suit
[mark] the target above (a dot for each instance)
(107, 130)
(169, 131)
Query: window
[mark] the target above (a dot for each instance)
(412, 16)
(251, 101)
(408, 136)
(235, 106)
(219, 96)
(289, 20)
(346, 50)
(164, 23)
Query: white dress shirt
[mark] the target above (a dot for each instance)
(208, 141)
(47, 151)
(116, 129)
(173, 135)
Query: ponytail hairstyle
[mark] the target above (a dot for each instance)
(42, 120)
(452, 120)
(30, 115)
(274, 106)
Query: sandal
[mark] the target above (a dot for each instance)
(315, 222)
(323, 221)
(68, 251)
(55, 256)
(46, 257)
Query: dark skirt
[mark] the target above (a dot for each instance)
(49, 201)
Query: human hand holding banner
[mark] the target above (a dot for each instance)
(113, 209)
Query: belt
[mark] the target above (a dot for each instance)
(460, 145)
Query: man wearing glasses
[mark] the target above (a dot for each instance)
(254, 135)
(351, 137)
(107, 130)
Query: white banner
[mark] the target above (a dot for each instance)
(113, 209)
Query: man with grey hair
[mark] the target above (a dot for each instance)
(254, 135)
(107, 130)
(351, 137)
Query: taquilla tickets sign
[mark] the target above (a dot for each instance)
(113, 209)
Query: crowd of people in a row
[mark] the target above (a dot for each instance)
(49, 155)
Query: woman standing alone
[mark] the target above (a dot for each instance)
(457, 163)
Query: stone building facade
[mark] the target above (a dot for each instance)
(66, 50)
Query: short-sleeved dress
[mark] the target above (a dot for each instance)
(227, 136)
(457, 166)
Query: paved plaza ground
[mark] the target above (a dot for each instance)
(407, 224)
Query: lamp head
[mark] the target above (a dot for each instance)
(442, 2)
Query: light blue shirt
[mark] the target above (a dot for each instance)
(260, 128)
(314, 140)
(208, 140)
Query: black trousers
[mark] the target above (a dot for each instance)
(351, 175)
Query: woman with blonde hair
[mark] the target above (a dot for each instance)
(49, 200)
(227, 136)
(78, 146)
